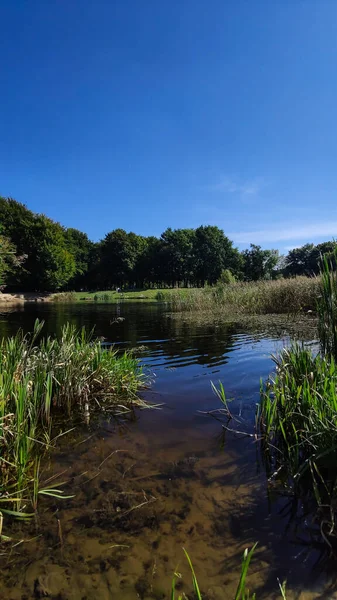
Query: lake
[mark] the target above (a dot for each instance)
(169, 478)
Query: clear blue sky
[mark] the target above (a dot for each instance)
(145, 114)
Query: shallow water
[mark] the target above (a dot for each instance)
(171, 478)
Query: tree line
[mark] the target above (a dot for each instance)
(39, 254)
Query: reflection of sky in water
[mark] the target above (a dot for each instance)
(227, 484)
(184, 356)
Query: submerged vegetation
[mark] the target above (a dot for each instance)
(41, 377)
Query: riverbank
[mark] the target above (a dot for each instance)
(283, 296)
(111, 296)
(23, 297)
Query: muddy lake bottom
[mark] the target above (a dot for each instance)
(149, 485)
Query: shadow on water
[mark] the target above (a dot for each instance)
(145, 488)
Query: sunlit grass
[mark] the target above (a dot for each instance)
(262, 297)
(40, 376)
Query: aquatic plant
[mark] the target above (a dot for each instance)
(282, 296)
(42, 376)
(242, 592)
(297, 419)
(327, 306)
(297, 416)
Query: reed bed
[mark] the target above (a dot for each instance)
(298, 412)
(43, 376)
(260, 297)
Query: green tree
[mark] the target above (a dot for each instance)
(176, 256)
(9, 260)
(259, 263)
(212, 253)
(81, 248)
(299, 261)
(120, 253)
(52, 264)
(49, 264)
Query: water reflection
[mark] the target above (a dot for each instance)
(168, 479)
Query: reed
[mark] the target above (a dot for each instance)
(262, 297)
(327, 306)
(41, 376)
(242, 592)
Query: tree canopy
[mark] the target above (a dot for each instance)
(39, 254)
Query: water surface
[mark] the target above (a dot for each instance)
(170, 478)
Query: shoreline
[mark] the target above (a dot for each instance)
(22, 298)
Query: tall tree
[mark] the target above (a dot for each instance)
(79, 245)
(306, 259)
(52, 264)
(120, 252)
(176, 255)
(9, 260)
(259, 263)
(212, 253)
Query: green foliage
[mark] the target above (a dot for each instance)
(242, 592)
(226, 277)
(327, 305)
(39, 376)
(57, 258)
(81, 248)
(213, 252)
(306, 260)
(260, 297)
(9, 261)
(297, 420)
(258, 263)
(49, 265)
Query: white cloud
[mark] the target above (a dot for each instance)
(284, 233)
(234, 186)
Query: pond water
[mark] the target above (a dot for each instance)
(170, 478)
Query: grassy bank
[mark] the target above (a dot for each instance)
(112, 296)
(261, 297)
(41, 377)
(243, 298)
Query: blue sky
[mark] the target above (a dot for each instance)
(145, 114)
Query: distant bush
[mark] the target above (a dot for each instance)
(226, 277)
(64, 297)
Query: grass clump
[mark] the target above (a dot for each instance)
(63, 297)
(298, 412)
(298, 415)
(43, 376)
(260, 297)
(327, 307)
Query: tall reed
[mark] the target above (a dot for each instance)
(327, 306)
(40, 376)
(298, 409)
(260, 297)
